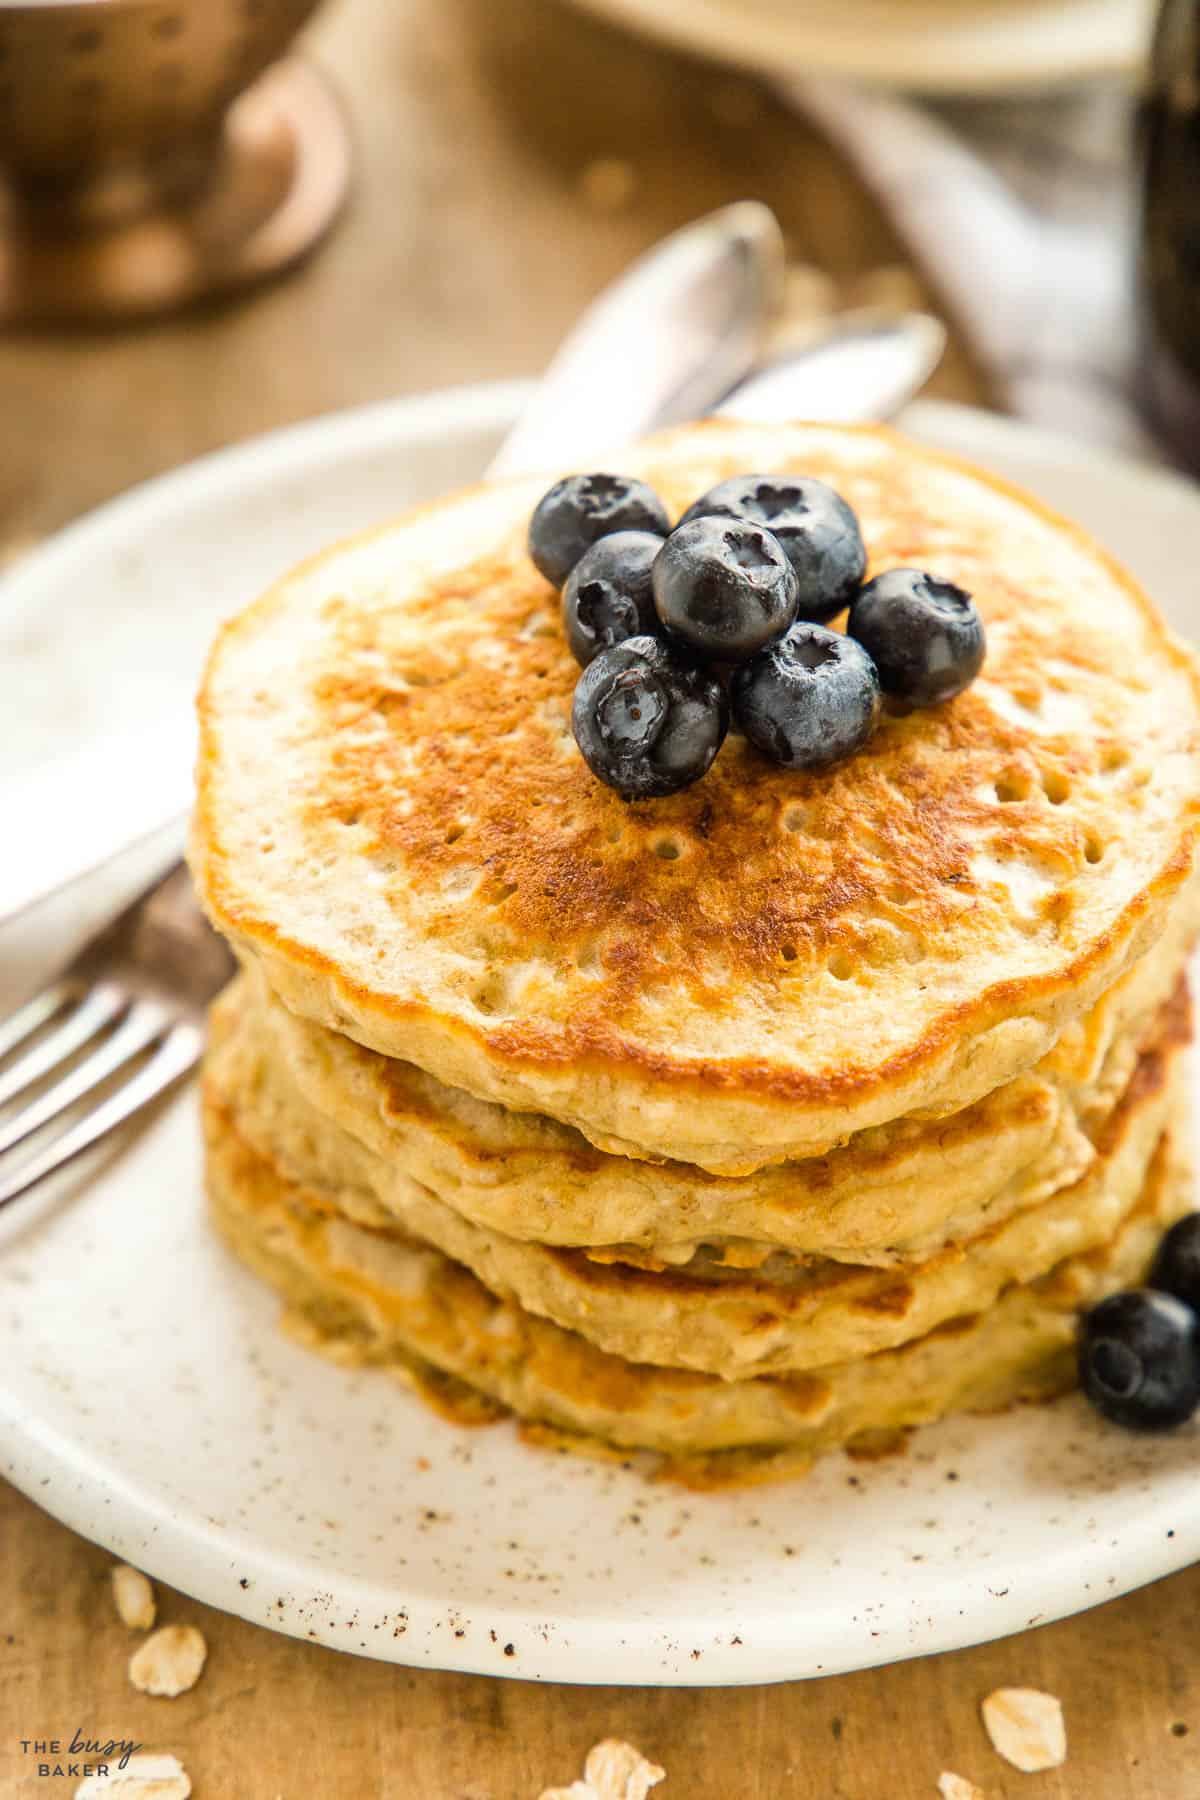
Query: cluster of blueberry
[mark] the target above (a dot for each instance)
(727, 613)
(1139, 1352)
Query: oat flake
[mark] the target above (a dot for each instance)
(133, 1597)
(1026, 1728)
(169, 1662)
(957, 1787)
(613, 1771)
(142, 1778)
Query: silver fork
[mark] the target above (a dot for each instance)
(121, 1023)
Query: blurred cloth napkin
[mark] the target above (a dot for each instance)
(1023, 215)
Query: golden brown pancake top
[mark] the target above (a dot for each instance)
(394, 813)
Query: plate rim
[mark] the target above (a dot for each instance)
(478, 405)
(906, 59)
(471, 405)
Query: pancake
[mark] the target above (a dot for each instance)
(812, 1313)
(894, 1194)
(365, 1298)
(394, 820)
(1078, 1059)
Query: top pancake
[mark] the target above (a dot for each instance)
(393, 818)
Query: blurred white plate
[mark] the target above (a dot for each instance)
(148, 1400)
(931, 46)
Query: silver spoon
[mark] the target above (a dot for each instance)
(854, 367)
(663, 343)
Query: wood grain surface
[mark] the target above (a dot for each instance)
(511, 157)
(274, 1718)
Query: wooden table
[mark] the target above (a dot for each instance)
(512, 157)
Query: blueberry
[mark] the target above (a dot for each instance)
(608, 596)
(648, 720)
(819, 533)
(925, 635)
(577, 510)
(1177, 1265)
(808, 699)
(1139, 1363)
(724, 587)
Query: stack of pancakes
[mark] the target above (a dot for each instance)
(786, 1112)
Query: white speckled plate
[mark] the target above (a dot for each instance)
(147, 1400)
(931, 46)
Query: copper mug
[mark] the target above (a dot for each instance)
(153, 151)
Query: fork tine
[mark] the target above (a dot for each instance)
(141, 1027)
(33, 1015)
(176, 1054)
(98, 1009)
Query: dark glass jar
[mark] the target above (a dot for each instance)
(1170, 260)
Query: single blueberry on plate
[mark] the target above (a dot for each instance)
(808, 699)
(579, 509)
(1139, 1362)
(924, 635)
(1176, 1267)
(648, 720)
(818, 531)
(724, 588)
(608, 596)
